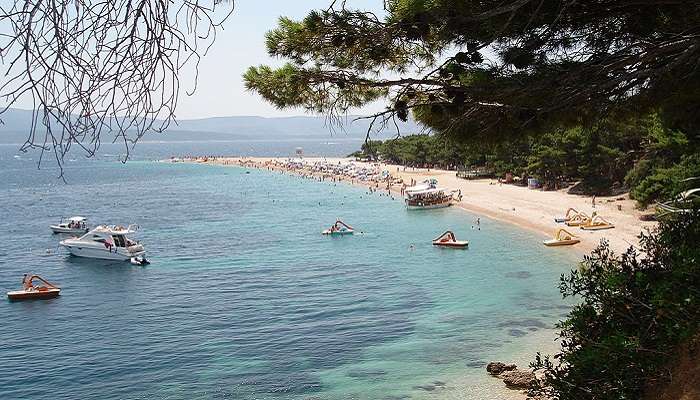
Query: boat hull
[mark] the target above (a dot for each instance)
(575, 223)
(70, 231)
(553, 242)
(120, 254)
(337, 233)
(33, 294)
(460, 244)
(597, 227)
(430, 207)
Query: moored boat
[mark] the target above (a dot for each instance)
(427, 195)
(73, 225)
(107, 243)
(597, 223)
(579, 219)
(448, 239)
(562, 238)
(29, 291)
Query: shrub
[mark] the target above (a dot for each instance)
(635, 309)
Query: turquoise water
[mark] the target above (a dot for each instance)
(244, 298)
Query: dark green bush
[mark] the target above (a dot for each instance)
(652, 183)
(634, 310)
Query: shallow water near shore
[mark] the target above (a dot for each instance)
(245, 299)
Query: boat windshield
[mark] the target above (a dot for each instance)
(119, 240)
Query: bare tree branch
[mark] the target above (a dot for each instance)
(101, 70)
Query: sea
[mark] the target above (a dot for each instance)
(245, 299)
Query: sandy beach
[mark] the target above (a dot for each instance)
(531, 209)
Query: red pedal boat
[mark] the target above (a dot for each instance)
(29, 291)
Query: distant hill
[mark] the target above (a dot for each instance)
(16, 123)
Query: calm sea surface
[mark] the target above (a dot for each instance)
(244, 298)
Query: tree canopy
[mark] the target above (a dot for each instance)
(491, 68)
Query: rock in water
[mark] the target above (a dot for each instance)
(518, 379)
(496, 368)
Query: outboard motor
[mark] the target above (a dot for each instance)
(139, 261)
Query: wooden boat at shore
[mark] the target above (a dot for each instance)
(339, 228)
(31, 292)
(596, 224)
(448, 239)
(429, 198)
(562, 238)
(427, 195)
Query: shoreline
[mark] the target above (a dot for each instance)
(533, 210)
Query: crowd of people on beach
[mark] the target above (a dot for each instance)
(371, 176)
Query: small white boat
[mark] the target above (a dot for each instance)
(339, 228)
(107, 243)
(73, 226)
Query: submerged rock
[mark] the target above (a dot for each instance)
(518, 379)
(511, 376)
(517, 332)
(496, 368)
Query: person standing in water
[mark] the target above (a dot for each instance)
(26, 282)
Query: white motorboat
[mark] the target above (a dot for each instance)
(107, 243)
(73, 225)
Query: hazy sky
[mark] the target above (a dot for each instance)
(220, 89)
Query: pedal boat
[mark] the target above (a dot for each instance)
(31, 292)
(106, 243)
(72, 226)
(570, 213)
(597, 224)
(562, 238)
(578, 220)
(448, 239)
(338, 229)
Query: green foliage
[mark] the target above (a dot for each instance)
(416, 150)
(599, 156)
(485, 69)
(663, 183)
(670, 156)
(290, 86)
(548, 163)
(634, 310)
